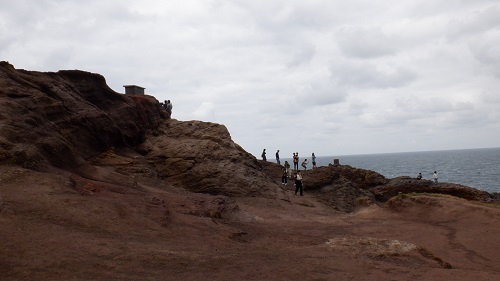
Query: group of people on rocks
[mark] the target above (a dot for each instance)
(287, 172)
(295, 160)
(434, 176)
(167, 105)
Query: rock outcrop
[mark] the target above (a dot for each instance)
(399, 185)
(62, 118)
(73, 121)
(202, 157)
(96, 185)
(342, 186)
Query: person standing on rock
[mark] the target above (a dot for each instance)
(264, 155)
(314, 160)
(435, 176)
(278, 157)
(296, 161)
(304, 164)
(284, 177)
(168, 107)
(298, 183)
(287, 168)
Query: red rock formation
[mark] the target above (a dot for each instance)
(412, 185)
(202, 157)
(107, 196)
(72, 120)
(68, 118)
(62, 118)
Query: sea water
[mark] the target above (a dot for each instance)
(478, 168)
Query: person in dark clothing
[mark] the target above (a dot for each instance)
(278, 157)
(284, 177)
(298, 183)
(264, 155)
(287, 169)
(296, 161)
(419, 177)
(168, 107)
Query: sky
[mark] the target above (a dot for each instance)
(332, 77)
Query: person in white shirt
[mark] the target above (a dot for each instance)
(298, 183)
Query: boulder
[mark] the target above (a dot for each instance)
(399, 185)
(202, 157)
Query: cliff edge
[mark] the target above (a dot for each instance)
(71, 120)
(98, 185)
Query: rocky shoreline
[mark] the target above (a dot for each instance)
(100, 185)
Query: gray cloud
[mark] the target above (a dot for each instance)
(320, 94)
(369, 75)
(475, 22)
(394, 73)
(366, 42)
(302, 55)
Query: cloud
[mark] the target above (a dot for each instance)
(205, 111)
(366, 42)
(486, 50)
(473, 23)
(337, 73)
(370, 75)
(320, 93)
(301, 56)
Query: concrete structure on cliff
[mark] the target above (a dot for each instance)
(134, 90)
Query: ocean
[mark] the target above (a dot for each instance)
(478, 168)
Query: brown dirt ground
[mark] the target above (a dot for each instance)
(55, 227)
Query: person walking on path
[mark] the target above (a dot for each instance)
(314, 160)
(278, 157)
(298, 183)
(296, 161)
(435, 176)
(264, 155)
(304, 164)
(284, 177)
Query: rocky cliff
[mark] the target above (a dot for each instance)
(72, 120)
(97, 185)
(63, 118)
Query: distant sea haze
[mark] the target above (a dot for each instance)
(478, 168)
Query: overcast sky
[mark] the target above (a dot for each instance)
(332, 77)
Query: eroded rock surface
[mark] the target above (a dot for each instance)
(96, 185)
(72, 120)
(61, 119)
(408, 185)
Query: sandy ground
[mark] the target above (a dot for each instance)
(55, 229)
